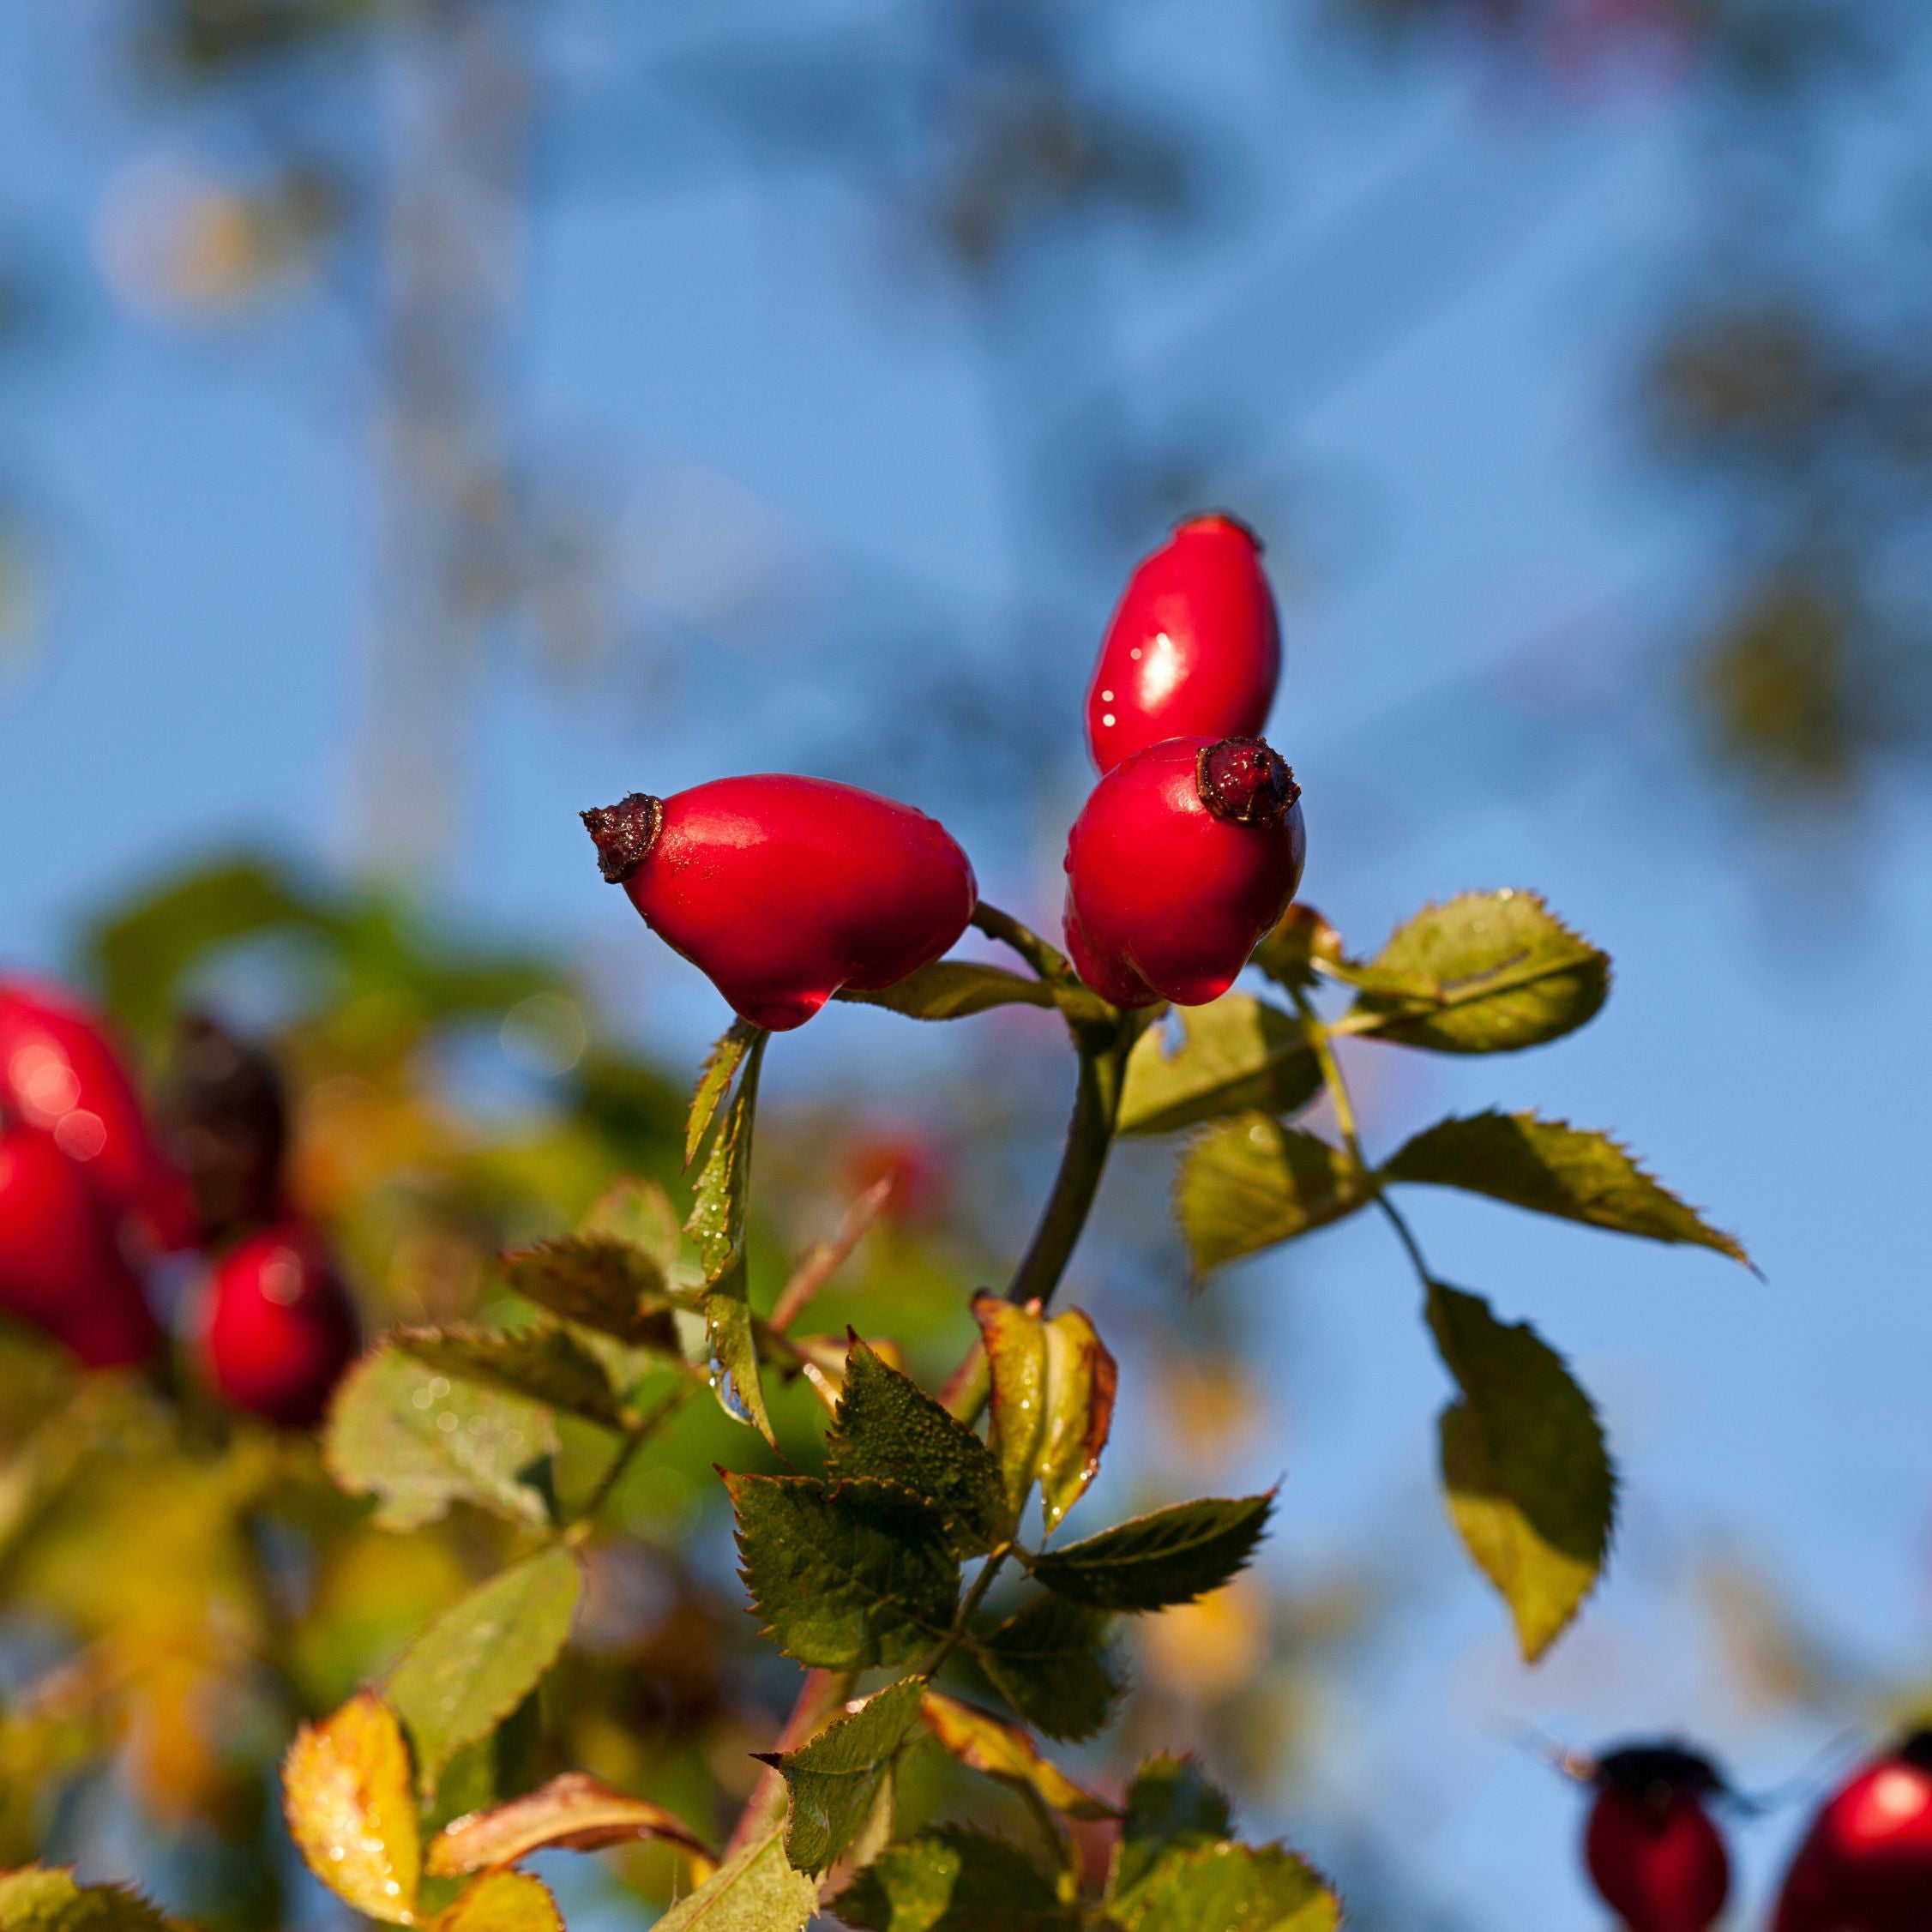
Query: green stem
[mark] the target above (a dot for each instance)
(1047, 960)
(963, 1623)
(1090, 1134)
(636, 1435)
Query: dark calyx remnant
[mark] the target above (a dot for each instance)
(624, 833)
(1658, 1773)
(1916, 1750)
(1241, 780)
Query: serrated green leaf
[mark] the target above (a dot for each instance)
(603, 1283)
(1050, 1661)
(952, 1880)
(1171, 1556)
(1248, 1183)
(546, 1363)
(480, 1659)
(1172, 1805)
(955, 990)
(714, 1081)
(1529, 1482)
(42, 1898)
(1052, 1408)
(1232, 1887)
(834, 1780)
(1003, 1752)
(846, 1576)
(419, 1440)
(888, 1427)
(639, 1212)
(1487, 972)
(716, 1227)
(755, 1891)
(1552, 1168)
(1237, 1055)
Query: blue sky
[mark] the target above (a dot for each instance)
(1428, 289)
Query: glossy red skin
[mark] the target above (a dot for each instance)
(1193, 649)
(784, 889)
(61, 1072)
(1661, 1868)
(60, 1266)
(280, 1328)
(1165, 900)
(1866, 1863)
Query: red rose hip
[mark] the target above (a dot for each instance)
(1654, 1855)
(280, 1327)
(1193, 649)
(60, 1266)
(59, 1071)
(784, 889)
(1866, 1863)
(1183, 860)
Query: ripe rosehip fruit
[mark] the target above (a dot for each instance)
(1654, 1855)
(280, 1327)
(1193, 649)
(60, 1266)
(1866, 1863)
(1183, 860)
(784, 889)
(59, 1071)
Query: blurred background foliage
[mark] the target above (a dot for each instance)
(177, 1587)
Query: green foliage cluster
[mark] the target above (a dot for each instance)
(898, 1562)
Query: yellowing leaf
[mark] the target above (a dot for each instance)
(572, 1813)
(502, 1902)
(1053, 1401)
(346, 1789)
(984, 1744)
(1530, 1486)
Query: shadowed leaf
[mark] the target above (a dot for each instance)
(474, 1665)
(1248, 1183)
(886, 1426)
(1171, 1806)
(419, 1440)
(1551, 1168)
(347, 1793)
(845, 1576)
(604, 1282)
(1171, 1556)
(1236, 1055)
(1487, 972)
(1050, 1660)
(1530, 1486)
(952, 1880)
(546, 1364)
